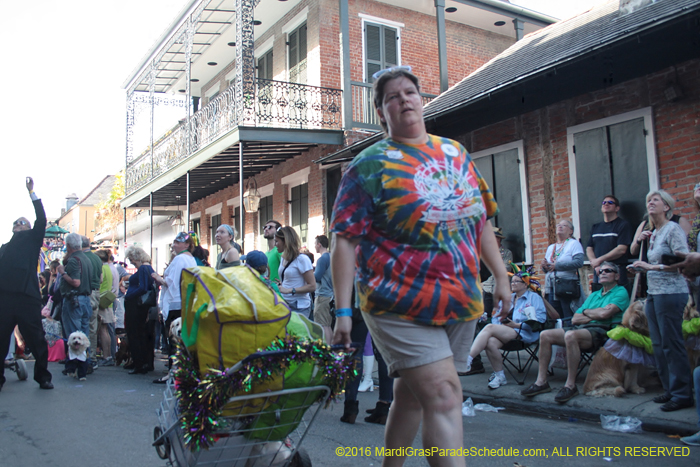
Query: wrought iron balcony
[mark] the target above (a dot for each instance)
(274, 104)
(363, 113)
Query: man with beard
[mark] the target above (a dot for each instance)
(273, 256)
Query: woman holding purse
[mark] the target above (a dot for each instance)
(136, 312)
(561, 262)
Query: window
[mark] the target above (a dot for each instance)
(215, 223)
(237, 224)
(333, 177)
(381, 48)
(264, 215)
(265, 66)
(504, 171)
(197, 227)
(300, 210)
(297, 55)
(614, 156)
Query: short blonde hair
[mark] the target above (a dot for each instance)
(134, 253)
(666, 198)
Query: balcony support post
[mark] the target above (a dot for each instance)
(152, 105)
(189, 39)
(241, 219)
(124, 235)
(150, 215)
(245, 60)
(345, 63)
(442, 43)
(187, 200)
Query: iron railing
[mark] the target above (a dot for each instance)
(276, 104)
(363, 113)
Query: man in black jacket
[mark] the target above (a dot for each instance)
(20, 299)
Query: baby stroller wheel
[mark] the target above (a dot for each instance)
(301, 459)
(162, 446)
(21, 369)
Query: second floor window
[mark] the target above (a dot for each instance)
(265, 66)
(297, 55)
(381, 48)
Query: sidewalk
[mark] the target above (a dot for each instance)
(682, 422)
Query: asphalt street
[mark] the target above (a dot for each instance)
(108, 420)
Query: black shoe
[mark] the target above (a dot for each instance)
(139, 371)
(350, 413)
(379, 414)
(46, 385)
(566, 394)
(534, 390)
(130, 366)
(162, 380)
(475, 370)
(663, 398)
(90, 369)
(672, 406)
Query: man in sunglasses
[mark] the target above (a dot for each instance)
(273, 255)
(610, 240)
(20, 299)
(601, 311)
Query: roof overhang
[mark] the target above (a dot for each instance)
(217, 166)
(660, 44)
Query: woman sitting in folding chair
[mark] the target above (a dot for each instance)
(517, 323)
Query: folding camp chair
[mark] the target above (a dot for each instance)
(519, 363)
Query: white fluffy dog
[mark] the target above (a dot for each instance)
(76, 362)
(175, 329)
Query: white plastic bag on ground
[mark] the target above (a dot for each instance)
(488, 408)
(468, 408)
(621, 424)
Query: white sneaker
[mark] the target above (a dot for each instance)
(498, 381)
(493, 375)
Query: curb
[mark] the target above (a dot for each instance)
(563, 411)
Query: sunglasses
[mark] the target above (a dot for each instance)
(20, 223)
(269, 227)
(608, 202)
(607, 271)
(391, 69)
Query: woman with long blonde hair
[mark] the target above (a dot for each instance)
(296, 272)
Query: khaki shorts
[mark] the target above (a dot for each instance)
(106, 315)
(405, 344)
(322, 311)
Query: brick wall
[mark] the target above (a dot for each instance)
(676, 128)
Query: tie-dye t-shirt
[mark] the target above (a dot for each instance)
(419, 211)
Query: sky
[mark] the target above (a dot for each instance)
(64, 64)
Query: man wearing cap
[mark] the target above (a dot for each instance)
(601, 311)
(20, 299)
(487, 286)
(610, 240)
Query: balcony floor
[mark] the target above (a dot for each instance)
(216, 166)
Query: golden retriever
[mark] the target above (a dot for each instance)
(609, 376)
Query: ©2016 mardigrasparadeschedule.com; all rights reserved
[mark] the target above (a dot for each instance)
(580, 451)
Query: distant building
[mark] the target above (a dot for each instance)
(79, 214)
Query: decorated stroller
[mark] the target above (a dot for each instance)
(229, 404)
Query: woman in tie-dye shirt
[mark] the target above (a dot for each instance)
(411, 224)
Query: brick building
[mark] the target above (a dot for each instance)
(265, 88)
(606, 102)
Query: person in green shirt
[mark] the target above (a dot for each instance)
(601, 311)
(105, 316)
(274, 257)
